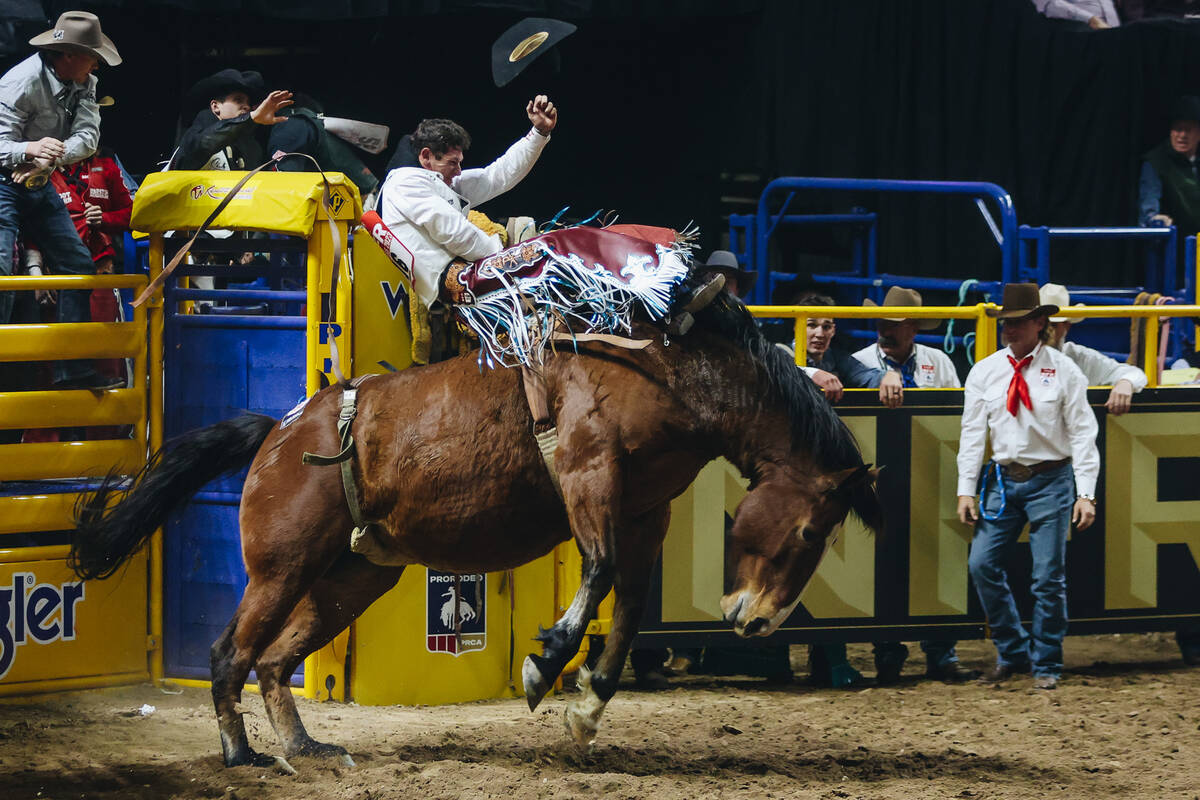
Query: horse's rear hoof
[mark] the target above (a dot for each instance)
(581, 726)
(535, 683)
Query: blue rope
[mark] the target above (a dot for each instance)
(992, 467)
(948, 343)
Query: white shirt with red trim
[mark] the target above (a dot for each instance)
(1061, 424)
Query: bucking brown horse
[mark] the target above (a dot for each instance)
(450, 476)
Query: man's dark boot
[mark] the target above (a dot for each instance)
(698, 291)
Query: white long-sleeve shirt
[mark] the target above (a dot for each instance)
(1079, 10)
(430, 218)
(933, 368)
(1100, 370)
(1060, 424)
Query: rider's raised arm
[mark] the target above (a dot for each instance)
(481, 185)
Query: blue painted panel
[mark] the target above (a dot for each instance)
(213, 374)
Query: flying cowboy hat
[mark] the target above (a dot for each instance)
(1021, 301)
(223, 83)
(726, 263)
(75, 31)
(518, 46)
(899, 296)
(1057, 294)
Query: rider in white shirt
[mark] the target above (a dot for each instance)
(426, 207)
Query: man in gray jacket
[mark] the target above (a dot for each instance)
(48, 117)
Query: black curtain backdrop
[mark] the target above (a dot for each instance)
(971, 90)
(662, 102)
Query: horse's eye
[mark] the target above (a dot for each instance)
(810, 536)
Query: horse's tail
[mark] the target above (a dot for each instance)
(105, 538)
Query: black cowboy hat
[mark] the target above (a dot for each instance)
(1186, 108)
(79, 30)
(1022, 301)
(899, 296)
(220, 84)
(725, 262)
(518, 46)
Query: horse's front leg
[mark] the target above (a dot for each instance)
(592, 505)
(638, 547)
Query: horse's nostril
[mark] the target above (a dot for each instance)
(755, 625)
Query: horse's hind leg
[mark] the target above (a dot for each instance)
(264, 608)
(638, 546)
(334, 601)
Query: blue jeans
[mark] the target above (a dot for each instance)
(1045, 501)
(41, 215)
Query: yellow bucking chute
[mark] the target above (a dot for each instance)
(275, 202)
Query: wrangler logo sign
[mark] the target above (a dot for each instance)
(35, 613)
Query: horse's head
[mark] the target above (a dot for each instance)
(782, 529)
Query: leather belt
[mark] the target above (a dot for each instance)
(1019, 473)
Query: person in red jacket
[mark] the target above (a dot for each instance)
(98, 202)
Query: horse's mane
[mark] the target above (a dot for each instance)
(815, 426)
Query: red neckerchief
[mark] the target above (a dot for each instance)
(1018, 389)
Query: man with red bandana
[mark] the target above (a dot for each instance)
(1031, 401)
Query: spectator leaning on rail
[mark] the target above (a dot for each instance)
(833, 369)
(1031, 400)
(1126, 380)
(222, 136)
(919, 366)
(1168, 189)
(49, 117)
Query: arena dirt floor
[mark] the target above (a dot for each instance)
(1124, 723)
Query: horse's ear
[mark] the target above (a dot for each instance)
(846, 479)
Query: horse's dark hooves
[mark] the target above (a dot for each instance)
(315, 749)
(534, 681)
(251, 758)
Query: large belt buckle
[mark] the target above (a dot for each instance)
(1018, 472)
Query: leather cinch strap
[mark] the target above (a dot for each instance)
(344, 457)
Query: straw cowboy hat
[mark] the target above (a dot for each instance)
(518, 46)
(1021, 301)
(1056, 294)
(725, 262)
(78, 30)
(899, 296)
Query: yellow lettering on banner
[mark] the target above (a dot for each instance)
(694, 551)
(844, 584)
(1135, 521)
(938, 543)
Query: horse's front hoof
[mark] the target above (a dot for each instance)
(534, 682)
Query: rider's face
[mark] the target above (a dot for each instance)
(820, 334)
(449, 165)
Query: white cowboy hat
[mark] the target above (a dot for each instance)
(1056, 294)
(79, 30)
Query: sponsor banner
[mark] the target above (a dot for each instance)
(455, 613)
(54, 626)
(1136, 568)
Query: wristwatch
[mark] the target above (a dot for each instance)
(1089, 497)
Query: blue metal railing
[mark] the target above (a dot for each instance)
(756, 232)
